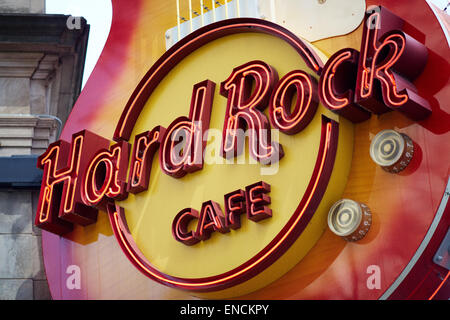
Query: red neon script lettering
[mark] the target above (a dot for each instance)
(105, 177)
(257, 201)
(337, 85)
(211, 217)
(145, 146)
(244, 107)
(305, 86)
(182, 147)
(387, 54)
(60, 203)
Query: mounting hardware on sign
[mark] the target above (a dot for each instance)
(442, 256)
(349, 219)
(392, 150)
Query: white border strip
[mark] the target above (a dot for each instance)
(423, 245)
(446, 32)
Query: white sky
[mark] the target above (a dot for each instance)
(98, 14)
(441, 4)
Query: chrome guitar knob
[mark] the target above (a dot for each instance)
(392, 150)
(349, 219)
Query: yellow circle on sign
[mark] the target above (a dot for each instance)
(150, 214)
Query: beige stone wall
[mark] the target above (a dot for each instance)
(26, 83)
(22, 273)
(41, 65)
(22, 6)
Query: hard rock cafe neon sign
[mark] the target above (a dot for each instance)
(90, 174)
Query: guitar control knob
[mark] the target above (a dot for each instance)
(392, 150)
(349, 219)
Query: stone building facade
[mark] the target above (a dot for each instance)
(41, 68)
